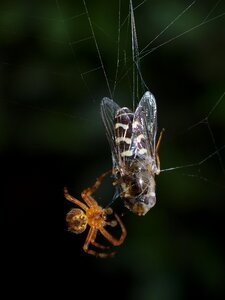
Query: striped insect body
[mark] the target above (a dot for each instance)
(132, 136)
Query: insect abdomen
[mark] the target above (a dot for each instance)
(123, 131)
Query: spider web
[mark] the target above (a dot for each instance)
(79, 38)
(52, 83)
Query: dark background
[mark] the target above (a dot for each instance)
(51, 135)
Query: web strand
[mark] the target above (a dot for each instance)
(97, 48)
(132, 61)
(145, 53)
(218, 150)
(167, 27)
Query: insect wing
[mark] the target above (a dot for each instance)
(118, 123)
(109, 109)
(145, 126)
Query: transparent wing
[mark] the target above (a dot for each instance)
(108, 112)
(145, 126)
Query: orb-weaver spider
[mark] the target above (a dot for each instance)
(96, 217)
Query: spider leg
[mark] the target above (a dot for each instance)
(74, 200)
(98, 245)
(112, 223)
(110, 238)
(91, 239)
(91, 235)
(86, 194)
(94, 243)
(157, 149)
(108, 210)
(91, 190)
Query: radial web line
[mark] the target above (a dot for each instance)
(118, 49)
(66, 31)
(143, 53)
(205, 121)
(168, 26)
(97, 48)
(181, 34)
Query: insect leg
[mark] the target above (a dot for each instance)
(157, 149)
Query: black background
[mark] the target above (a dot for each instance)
(52, 136)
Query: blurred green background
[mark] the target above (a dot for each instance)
(51, 135)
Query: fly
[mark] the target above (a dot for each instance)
(132, 138)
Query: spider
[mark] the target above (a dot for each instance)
(95, 216)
